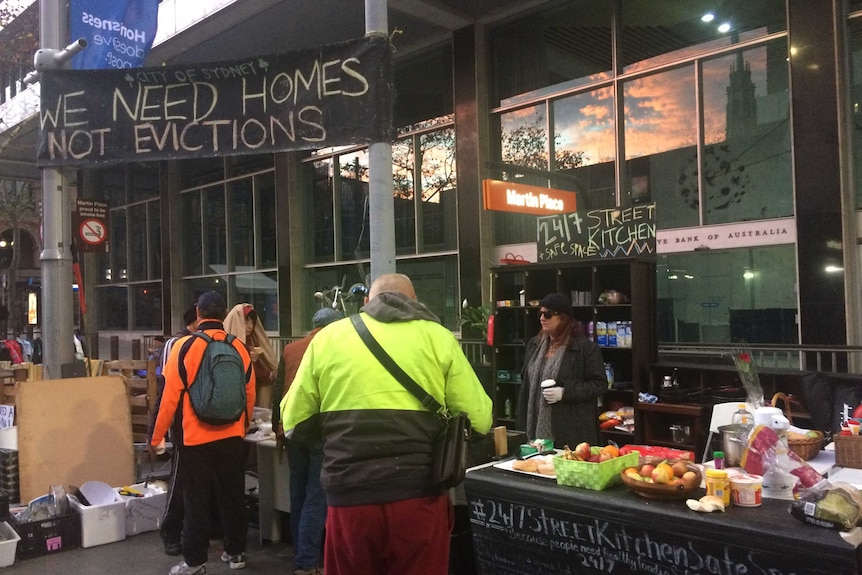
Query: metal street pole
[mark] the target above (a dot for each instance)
(56, 257)
(381, 207)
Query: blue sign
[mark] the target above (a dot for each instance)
(119, 33)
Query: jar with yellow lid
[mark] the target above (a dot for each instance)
(718, 484)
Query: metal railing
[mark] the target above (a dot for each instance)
(831, 359)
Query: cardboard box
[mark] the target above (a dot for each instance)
(144, 513)
(51, 535)
(103, 523)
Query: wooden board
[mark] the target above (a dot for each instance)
(71, 431)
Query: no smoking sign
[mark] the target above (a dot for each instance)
(93, 232)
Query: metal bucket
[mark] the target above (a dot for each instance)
(734, 439)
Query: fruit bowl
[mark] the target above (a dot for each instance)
(680, 489)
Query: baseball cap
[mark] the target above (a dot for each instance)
(325, 316)
(209, 298)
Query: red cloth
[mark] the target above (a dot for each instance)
(408, 537)
(15, 352)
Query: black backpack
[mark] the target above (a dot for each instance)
(217, 393)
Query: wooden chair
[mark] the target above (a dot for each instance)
(141, 391)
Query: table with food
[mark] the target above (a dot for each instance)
(649, 509)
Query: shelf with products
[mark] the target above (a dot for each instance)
(620, 292)
(678, 425)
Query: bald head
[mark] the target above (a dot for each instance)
(391, 283)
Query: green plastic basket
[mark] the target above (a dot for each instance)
(595, 476)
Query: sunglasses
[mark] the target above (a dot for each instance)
(548, 314)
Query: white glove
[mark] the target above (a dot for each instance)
(553, 394)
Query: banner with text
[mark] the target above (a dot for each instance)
(333, 95)
(597, 234)
(119, 33)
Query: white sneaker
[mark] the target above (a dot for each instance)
(183, 568)
(234, 561)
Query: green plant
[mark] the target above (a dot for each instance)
(475, 317)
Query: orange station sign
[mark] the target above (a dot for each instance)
(523, 199)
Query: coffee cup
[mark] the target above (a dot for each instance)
(548, 383)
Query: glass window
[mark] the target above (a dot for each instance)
(353, 204)
(585, 147)
(439, 190)
(147, 305)
(322, 208)
(855, 43)
(215, 234)
(655, 33)
(260, 290)
(324, 280)
(728, 296)
(195, 287)
(423, 85)
(113, 305)
(564, 47)
(154, 220)
(119, 257)
(747, 172)
(138, 242)
(241, 215)
(143, 182)
(660, 145)
(201, 171)
(192, 240)
(248, 164)
(403, 167)
(267, 216)
(436, 284)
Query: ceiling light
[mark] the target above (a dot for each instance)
(748, 274)
(724, 27)
(834, 269)
(708, 17)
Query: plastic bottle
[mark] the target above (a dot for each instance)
(675, 379)
(742, 416)
(718, 459)
(718, 484)
(507, 408)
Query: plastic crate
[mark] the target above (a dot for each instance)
(595, 476)
(52, 535)
(8, 544)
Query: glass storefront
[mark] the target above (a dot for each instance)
(689, 109)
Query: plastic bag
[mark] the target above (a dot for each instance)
(835, 506)
(768, 451)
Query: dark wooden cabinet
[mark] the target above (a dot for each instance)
(628, 347)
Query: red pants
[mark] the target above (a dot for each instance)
(409, 537)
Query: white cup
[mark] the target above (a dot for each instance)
(548, 383)
(265, 428)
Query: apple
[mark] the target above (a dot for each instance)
(679, 468)
(857, 413)
(604, 456)
(646, 469)
(663, 473)
(595, 458)
(689, 477)
(583, 450)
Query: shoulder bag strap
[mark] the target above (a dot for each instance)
(427, 400)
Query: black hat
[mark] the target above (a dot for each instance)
(557, 302)
(325, 316)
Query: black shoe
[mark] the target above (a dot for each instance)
(173, 548)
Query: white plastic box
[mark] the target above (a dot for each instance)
(144, 513)
(100, 524)
(9, 539)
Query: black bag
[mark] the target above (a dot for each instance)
(452, 444)
(450, 453)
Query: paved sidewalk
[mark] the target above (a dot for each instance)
(143, 554)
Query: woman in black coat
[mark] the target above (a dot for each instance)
(567, 412)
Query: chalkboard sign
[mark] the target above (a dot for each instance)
(515, 538)
(597, 234)
(332, 95)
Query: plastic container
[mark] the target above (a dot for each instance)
(8, 544)
(718, 459)
(718, 484)
(742, 416)
(746, 490)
